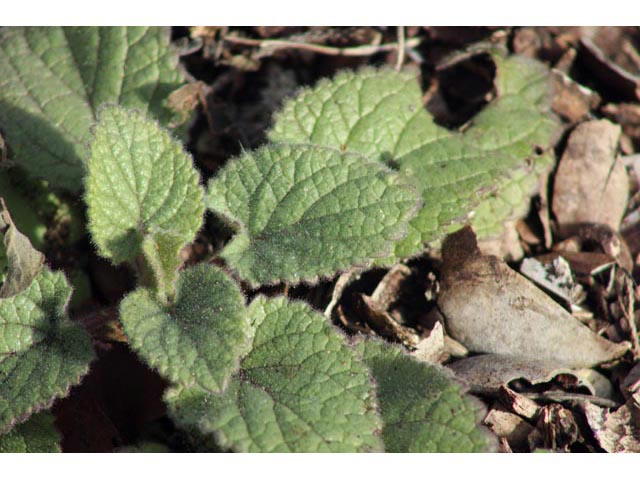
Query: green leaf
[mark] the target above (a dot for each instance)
(299, 389)
(305, 211)
(423, 407)
(199, 339)
(379, 113)
(145, 447)
(53, 79)
(42, 353)
(28, 220)
(36, 435)
(143, 192)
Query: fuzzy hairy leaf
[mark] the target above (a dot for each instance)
(305, 211)
(36, 435)
(143, 192)
(53, 79)
(199, 339)
(379, 113)
(423, 408)
(42, 353)
(299, 389)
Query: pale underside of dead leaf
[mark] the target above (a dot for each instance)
(431, 347)
(615, 431)
(492, 371)
(591, 184)
(490, 308)
(510, 426)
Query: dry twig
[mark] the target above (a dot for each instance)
(359, 51)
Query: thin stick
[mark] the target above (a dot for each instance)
(359, 51)
(554, 396)
(566, 396)
(401, 48)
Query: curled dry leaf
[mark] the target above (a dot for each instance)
(24, 261)
(490, 372)
(518, 403)
(591, 185)
(608, 240)
(558, 429)
(384, 323)
(490, 308)
(607, 71)
(572, 101)
(388, 290)
(432, 347)
(509, 426)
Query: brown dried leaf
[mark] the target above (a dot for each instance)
(519, 404)
(591, 185)
(24, 260)
(186, 99)
(614, 431)
(507, 425)
(583, 264)
(558, 427)
(571, 100)
(431, 348)
(607, 71)
(384, 324)
(627, 115)
(490, 308)
(388, 290)
(490, 372)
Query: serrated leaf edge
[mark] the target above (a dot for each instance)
(218, 435)
(314, 280)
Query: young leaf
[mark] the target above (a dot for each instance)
(306, 211)
(41, 352)
(143, 192)
(379, 113)
(299, 389)
(36, 435)
(53, 79)
(423, 407)
(199, 339)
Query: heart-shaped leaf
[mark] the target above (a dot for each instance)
(36, 435)
(299, 389)
(379, 113)
(41, 352)
(143, 192)
(423, 408)
(305, 211)
(199, 339)
(53, 79)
